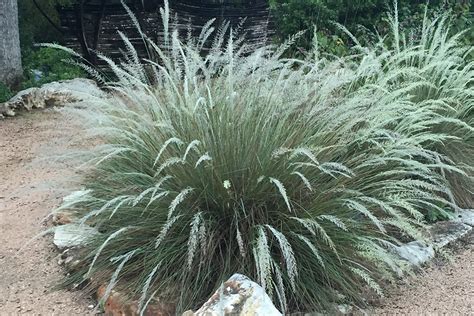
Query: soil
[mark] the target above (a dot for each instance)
(445, 287)
(28, 277)
(29, 190)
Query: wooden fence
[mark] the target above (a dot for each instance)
(95, 27)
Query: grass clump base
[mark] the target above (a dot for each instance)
(299, 173)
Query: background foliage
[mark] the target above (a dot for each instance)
(5, 92)
(291, 17)
(298, 15)
(52, 65)
(34, 27)
(47, 63)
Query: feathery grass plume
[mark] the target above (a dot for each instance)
(287, 254)
(149, 279)
(263, 257)
(193, 238)
(436, 70)
(282, 191)
(299, 173)
(114, 279)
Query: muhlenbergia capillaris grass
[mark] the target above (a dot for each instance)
(302, 174)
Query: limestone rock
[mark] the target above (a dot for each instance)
(62, 218)
(441, 235)
(466, 217)
(415, 252)
(69, 258)
(239, 296)
(51, 94)
(445, 233)
(78, 88)
(5, 110)
(344, 309)
(26, 99)
(71, 235)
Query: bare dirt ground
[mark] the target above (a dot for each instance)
(27, 278)
(443, 288)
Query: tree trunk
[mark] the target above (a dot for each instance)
(10, 54)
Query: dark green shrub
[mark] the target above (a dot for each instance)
(34, 27)
(5, 93)
(296, 15)
(52, 65)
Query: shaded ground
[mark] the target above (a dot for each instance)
(26, 278)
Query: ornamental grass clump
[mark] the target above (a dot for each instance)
(437, 71)
(301, 174)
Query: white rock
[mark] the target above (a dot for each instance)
(24, 98)
(442, 234)
(415, 252)
(239, 296)
(71, 235)
(445, 233)
(466, 217)
(6, 110)
(344, 309)
(52, 94)
(78, 87)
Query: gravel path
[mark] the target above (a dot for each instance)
(27, 278)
